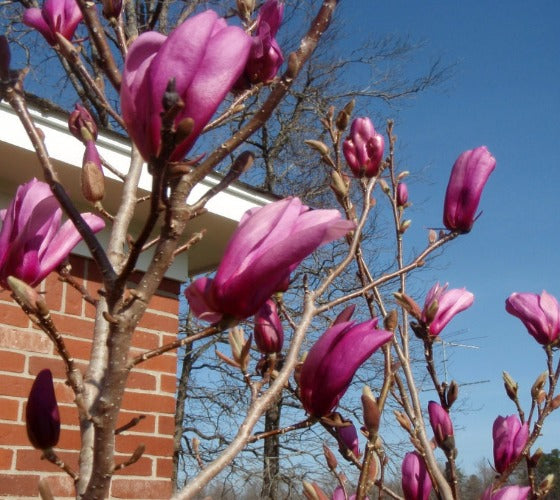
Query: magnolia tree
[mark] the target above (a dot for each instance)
(173, 89)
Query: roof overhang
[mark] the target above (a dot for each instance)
(19, 164)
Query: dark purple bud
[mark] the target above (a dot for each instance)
(111, 8)
(41, 415)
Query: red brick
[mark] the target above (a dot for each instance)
(145, 340)
(55, 365)
(141, 468)
(166, 363)
(6, 458)
(159, 322)
(159, 446)
(164, 304)
(69, 440)
(78, 264)
(164, 467)
(168, 383)
(54, 291)
(31, 341)
(144, 488)
(166, 425)
(80, 349)
(61, 485)
(12, 362)
(73, 326)
(144, 381)
(13, 315)
(20, 485)
(63, 392)
(147, 424)
(68, 414)
(143, 402)
(31, 460)
(15, 386)
(9, 409)
(74, 303)
(13, 434)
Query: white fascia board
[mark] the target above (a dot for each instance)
(62, 146)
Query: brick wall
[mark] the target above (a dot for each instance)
(24, 351)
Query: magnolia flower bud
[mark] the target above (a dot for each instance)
(404, 226)
(332, 463)
(111, 8)
(510, 385)
(28, 296)
(319, 146)
(432, 237)
(391, 320)
(82, 125)
(372, 415)
(339, 185)
(344, 116)
(41, 415)
(545, 486)
(539, 384)
(239, 347)
(402, 194)
(452, 393)
(403, 420)
(408, 303)
(93, 181)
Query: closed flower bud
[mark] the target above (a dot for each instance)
(41, 415)
(508, 493)
(82, 125)
(391, 321)
(416, 482)
(363, 148)
(402, 175)
(510, 437)
(245, 8)
(539, 384)
(93, 181)
(402, 194)
(339, 185)
(344, 115)
(510, 385)
(319, 146)
(372, 415)
(403, 420)
(345, 315)
(269, 334)
(28, 296)
(556, 402)
(239, 347)
(535, 457)
(111, 9)
(347, 437)
(452, 393)
(545, 486)
(468, 178)
(432, 236)
(404, 226)
(408, 303)
(442, 427)
(332, 463)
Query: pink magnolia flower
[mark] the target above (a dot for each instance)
(266, 56)
(203, 55)
(539, 313)
(402, 194)
(442, 305)
(339, 494)
(507, 493)
(333, 360)
(363, 148)
(56, 16)
(441, 425)
(415, 480)
(269, 243)
(468, 177)
(268, 332)
(32, 241)
(41, 414)
(510, 437)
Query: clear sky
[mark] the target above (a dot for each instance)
(505, 94)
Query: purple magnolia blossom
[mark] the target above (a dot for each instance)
(402, 194)
(349, 437)
(415, 480)
(468, 177)
(41, 414)
(442, 305)
(510, 437)
(363, 148)
(333, 360)
(269, 243)
(56, 16)
(268, 332)
(539, 313)
(441, 425)
(32, 241)
(507, 493)
(203, 55)
(266, 56)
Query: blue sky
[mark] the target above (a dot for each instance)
(505, 93)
